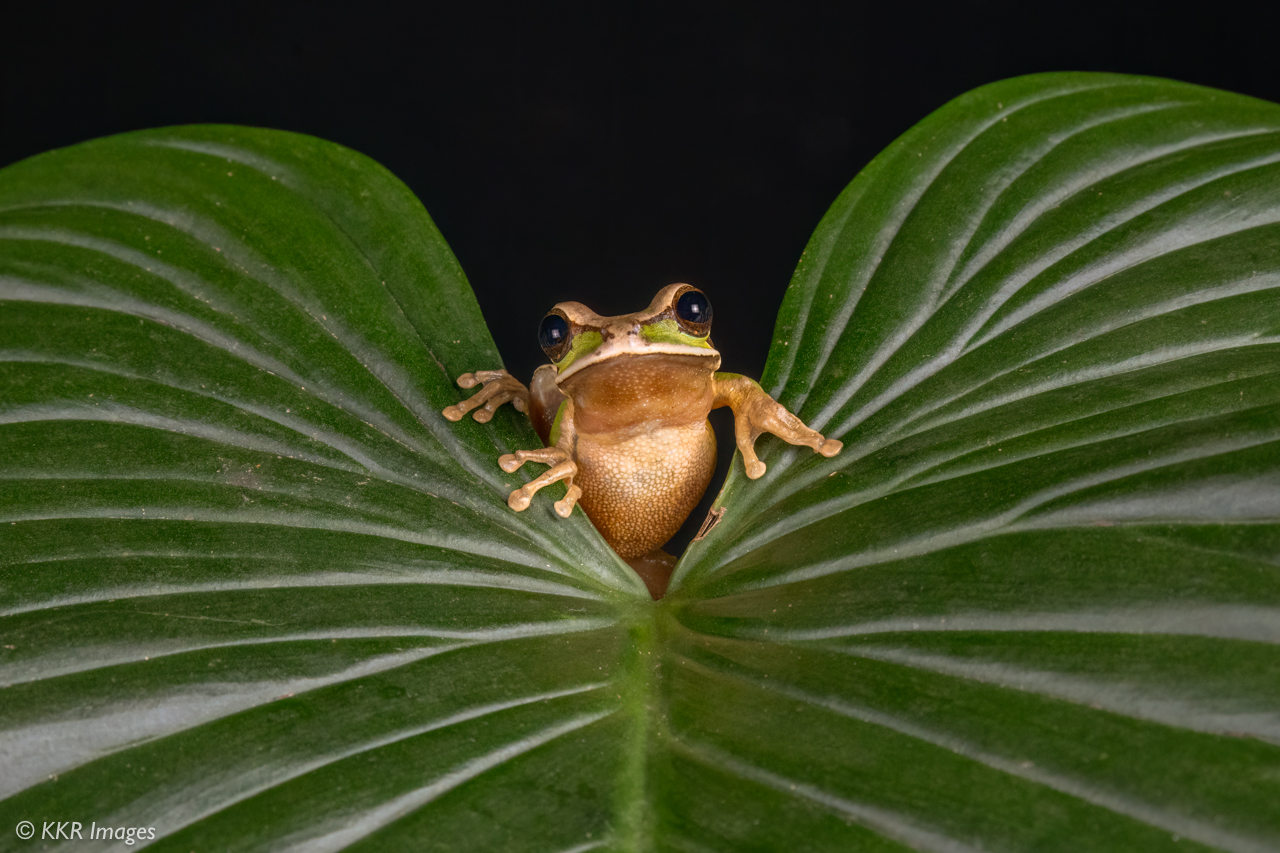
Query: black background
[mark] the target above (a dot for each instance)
(596, 151)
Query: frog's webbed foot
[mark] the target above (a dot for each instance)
(562, 468)
(755, 413)
(499, 387)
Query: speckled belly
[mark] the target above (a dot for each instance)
(638, 491)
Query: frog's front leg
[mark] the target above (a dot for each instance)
(755, 412)
(562, 468)
(499, 387)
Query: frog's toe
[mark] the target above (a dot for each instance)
(830, 447)
(564, 508)
(458, 411)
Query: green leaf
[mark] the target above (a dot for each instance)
(256, 589)
(1034, 606)
(258, 594)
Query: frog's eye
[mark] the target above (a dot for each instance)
(693, 310)
(553, 336)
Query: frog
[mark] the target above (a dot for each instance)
(622, 413)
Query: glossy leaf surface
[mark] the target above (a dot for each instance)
(1034, 604)
(257, 590)
(258, 594)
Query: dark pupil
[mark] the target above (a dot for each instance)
(553, 331)
(693, 307)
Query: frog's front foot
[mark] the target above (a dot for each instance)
(499, 387)
(562, 468)
(755, 413)
(769, 416)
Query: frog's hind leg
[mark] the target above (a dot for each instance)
(655, 570)
(562, 468)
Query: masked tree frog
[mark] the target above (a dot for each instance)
(622, 410)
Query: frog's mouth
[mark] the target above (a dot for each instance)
(644, 355)
(632, 344)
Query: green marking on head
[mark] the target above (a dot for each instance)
(669, 332)
(582, 343)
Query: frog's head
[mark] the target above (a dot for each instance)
(677, 325)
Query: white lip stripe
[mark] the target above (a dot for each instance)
(635, 345)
